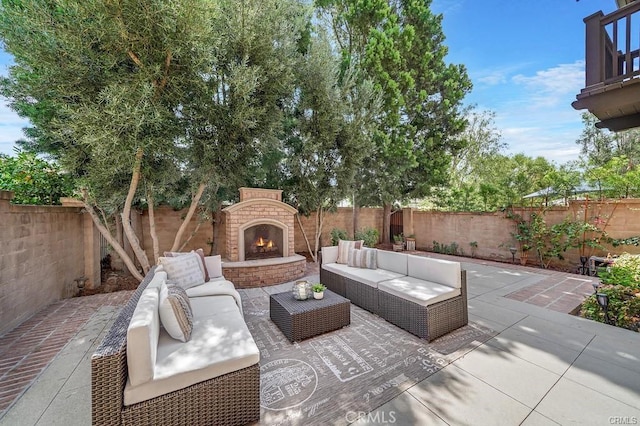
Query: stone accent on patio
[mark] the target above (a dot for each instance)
(556, 292)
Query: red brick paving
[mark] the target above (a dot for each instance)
(29, 348)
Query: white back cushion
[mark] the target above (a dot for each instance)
(392, 261)
(329, 254)
(214, 266)
(183, 270)
(159, 277)
(435, 270)
(142, 338)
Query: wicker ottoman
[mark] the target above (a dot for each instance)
(300, 319)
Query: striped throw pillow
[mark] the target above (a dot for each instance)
(355, 258)
(369, 258)
(175, 312)
(343, 250)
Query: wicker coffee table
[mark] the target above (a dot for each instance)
(300, 319)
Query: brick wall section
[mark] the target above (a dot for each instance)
(168, 221)
(492, 231)
(41, 254)
(342, 218)
(248, 277)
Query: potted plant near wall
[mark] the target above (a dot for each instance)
(411, 242)
(318, 290)
(398, 242)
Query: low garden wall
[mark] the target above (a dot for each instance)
(43, 250)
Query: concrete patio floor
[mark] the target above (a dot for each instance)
(542, 367)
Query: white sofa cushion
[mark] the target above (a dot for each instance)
(142, 337)
(392, 261)
(175, 312)
(329, 254)
(183, 270)
(219, 344)
(159, 278)
(214, 266)
(210, 288)
(206, 307)
(422, 292)
(370, 277)
(215, 288)
(435, 270)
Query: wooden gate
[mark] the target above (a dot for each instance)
(396, 223)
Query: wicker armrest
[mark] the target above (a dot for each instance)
(109, 365)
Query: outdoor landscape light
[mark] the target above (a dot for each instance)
(584, 269)
(595, 287)
(513, 251)
(603, 301)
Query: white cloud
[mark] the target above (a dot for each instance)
(553, 86)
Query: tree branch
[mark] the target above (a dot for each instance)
(187, 219)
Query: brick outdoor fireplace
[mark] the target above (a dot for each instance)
(259, 247)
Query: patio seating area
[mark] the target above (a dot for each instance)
(521, 360)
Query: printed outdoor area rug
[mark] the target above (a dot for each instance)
(327, 378)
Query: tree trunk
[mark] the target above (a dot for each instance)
(306, 240)
(116, 246)
(152, 228)
(356, 218)
(319, 223)
(191, 235)
(215, 249)
(192, 209)
(126, 215)
(386, 223)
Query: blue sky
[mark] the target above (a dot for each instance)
(526, 62)
(525, 59)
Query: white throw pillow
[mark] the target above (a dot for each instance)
(214, 266)
(183, 270)
(175, 312)
(199, 252)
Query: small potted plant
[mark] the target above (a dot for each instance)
(318, 290)
(398, 242)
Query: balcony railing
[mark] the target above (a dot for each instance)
(613, 46)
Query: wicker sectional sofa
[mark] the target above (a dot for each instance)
(425, 296)
(141, 376)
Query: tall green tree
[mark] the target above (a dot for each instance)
(325, 145)
(116, 91)
(399, 45)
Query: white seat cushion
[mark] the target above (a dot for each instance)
(208, 306)
(219, 344)
(435, 270)
(209, 288)
(142, 337)
(422, 292)
(370, 277)
(392, 261)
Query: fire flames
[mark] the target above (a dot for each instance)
(265, 245)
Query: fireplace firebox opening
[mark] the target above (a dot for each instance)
(263, 241)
